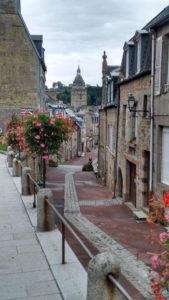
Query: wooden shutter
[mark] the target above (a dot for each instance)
(164, 64)
(158, 56)
(165, 156)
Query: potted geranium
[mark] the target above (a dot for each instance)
(44, 134)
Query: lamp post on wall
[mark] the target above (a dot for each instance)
(131, 103)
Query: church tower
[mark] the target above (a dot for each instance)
(78, 91)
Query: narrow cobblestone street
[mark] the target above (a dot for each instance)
(107, 225)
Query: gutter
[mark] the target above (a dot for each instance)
(143, 73)
(116, 145)
(152, 115)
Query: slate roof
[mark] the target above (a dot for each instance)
(113, 70)
(158, 20)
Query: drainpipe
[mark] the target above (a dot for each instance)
(116, 145)
(105, 158)
(152, 115)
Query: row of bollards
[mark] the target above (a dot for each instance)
(100, 266)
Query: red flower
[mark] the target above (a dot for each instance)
(165, 199)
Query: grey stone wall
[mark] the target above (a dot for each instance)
(22, 77)
(130, 149)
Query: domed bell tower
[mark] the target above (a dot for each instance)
(78, 91)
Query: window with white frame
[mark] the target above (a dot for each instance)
(138, 66)
(127, 63)
(165, 156)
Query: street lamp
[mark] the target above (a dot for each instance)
(131, 103)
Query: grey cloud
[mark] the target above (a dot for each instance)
(76, 30)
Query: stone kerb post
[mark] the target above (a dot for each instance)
(10, 157)
(45, 215)
(16, 170)
(98, 286)
(27, 184)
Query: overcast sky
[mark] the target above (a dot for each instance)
(78, 31)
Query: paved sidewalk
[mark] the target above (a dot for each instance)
(30, 262)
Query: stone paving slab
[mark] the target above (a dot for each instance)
(67, 276)
(100, 202)
(24, 274)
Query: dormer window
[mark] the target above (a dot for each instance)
(127, 63)
(129, 59)
(138, 63)
(164, 61)
(142, 47)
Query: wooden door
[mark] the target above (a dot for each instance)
(146, 176)
(132, 185)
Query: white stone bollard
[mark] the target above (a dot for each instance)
(98, 286)
(10, 157)
(27, 184)
(45, 214)
(16, 170)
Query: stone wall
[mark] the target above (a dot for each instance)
(78, 97)
(22, 77)
(161, 111)
(134, 140)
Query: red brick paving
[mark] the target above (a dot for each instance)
(89, 188)
(116, 220)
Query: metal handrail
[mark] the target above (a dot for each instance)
(66, 224)
(34, 191)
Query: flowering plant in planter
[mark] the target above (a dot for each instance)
(14, 135)
(44, 134)
(159, 275)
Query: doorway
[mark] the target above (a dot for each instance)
(132, 183)
(120, 183)
(146, 176)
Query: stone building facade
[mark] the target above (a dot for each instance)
(134, 122)
(141, 126)
(108, 122)
(78, 92)
(160, 99)
(134, 143)
(92, 126)
(22, 67)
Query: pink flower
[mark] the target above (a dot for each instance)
(52, 121)
(45, 156)
(164, 236)
(167, 215)
(37, 137)
(42, 145)
(155, 261)
(38, 124)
